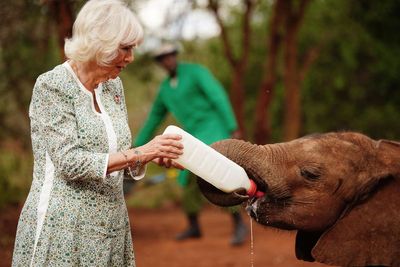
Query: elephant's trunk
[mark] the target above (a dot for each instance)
(236, 150)
(243, 153)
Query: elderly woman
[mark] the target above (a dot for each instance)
(75, 214)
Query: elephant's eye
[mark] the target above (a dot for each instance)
(309, 174)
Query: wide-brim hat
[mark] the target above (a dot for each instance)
(164, 50)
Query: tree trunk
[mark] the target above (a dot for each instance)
(262, 127)
(61, 12)
(238, 65)
(291, 76)
(237, 97)
(292, 114)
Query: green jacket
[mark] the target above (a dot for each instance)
(197, 101)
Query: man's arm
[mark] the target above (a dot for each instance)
(217, 95)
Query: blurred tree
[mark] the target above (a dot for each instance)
(176, 17)
(294, 15)
(25, 42)
(28, 47)
(262, 132)
(61, 12)
(239, 63)
(284, 27)
(24, 46)
(355, 83)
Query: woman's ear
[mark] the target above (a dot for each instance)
(368, 234)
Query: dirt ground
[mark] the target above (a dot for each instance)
(153, 232)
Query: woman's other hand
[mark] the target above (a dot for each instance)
(168, 163)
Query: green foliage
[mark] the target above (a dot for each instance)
(15, 175)
(26, 50)
(355, 83)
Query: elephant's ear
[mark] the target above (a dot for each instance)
(305, 241)
(368, 234)
(388, 153)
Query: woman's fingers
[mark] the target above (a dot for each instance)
(165, 146)
(163, 149)
(176, 165)
(168, 143)
(167, 163)
(171, 136)
(157, 161)
(169, 140)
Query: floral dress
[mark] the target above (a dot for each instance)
(75, 213)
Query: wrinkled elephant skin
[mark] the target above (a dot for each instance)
(340, 191)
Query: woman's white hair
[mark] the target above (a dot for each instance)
(101, 27)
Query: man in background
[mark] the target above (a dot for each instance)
(200, 105)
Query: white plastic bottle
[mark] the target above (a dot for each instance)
(211, 165)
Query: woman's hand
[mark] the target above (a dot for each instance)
(168, 163)
(162, 149)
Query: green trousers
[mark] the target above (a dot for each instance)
(193, 200)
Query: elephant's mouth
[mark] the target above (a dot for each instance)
(259, 210)
(270, 211)
(261, 184)
(252, 207)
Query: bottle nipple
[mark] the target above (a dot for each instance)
(253, 192)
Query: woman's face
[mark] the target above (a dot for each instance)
(124, 57)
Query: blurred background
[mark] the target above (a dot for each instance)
(290, 67)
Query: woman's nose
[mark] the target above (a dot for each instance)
(129, 57)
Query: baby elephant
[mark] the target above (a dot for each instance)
(340, 191)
